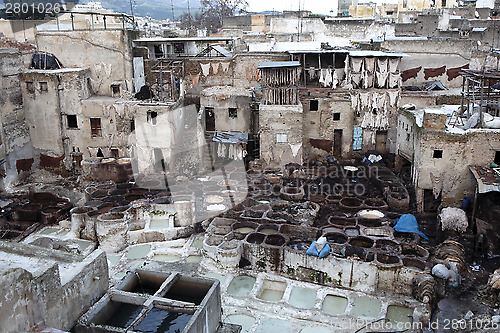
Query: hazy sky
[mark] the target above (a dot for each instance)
(316, 6)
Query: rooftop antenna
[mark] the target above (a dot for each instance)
(172, 7)
(189, 14)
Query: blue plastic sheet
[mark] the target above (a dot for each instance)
(313, 251)
(408, 223)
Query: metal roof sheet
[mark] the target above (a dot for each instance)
(274, 64)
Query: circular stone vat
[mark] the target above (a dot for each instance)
(336, 238)
(244, 228)
(292, 193)
(387, 259)
(268, 229)
(351, 232)
(214, 199)
(275, 240)
(241, 285)
(370, 214)
(415, 251)
(334, 305)
(406, 237)
(388, 246)
(377, 232)
(341, 222)
(361, 241)
(350, 203)
(255, 238)
(375, 203)
(414, 263)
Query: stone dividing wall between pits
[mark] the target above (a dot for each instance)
(50, 297)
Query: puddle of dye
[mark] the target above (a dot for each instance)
(366, 307)
(271, 295)
(220, 277)
(139, 251)
(124, 315)
(166, 257)
(193, 259)
(241, 285)
(304, 298)
(270, 325)
(49, 231)
(246, 322)
(399, 314)
(245, 230)
(82, 244)
(113, 260)
(158, 321)
(198, 242)
(315, 330)
(268, 231)
(159, 224)
(334, 305)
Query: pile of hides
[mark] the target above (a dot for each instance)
(453, 219)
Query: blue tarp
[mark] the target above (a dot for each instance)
(312, 251)
(408, 223)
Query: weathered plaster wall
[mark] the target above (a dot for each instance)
(107, 53)
(358, 29)
(432, 53)
(15, 142)
(281, 119)
(223, 98)
(47, 287)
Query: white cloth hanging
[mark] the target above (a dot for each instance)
(394, 80)
(393, 64)
(328, 77)
(225, 66)
(355, 102)
(356, 79)
(335, 79)
(215, 67)
(393, 97)
(357, 64)
(295, 148)
(365, 101)
(321, 77)
(312, 73)
(381, 73)
(205, 68)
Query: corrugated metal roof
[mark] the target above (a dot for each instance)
(274, 64)
(370, 53)
(222, 51)
(185, 39)
(230, 137)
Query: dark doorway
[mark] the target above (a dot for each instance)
(431, 203)
(209, 119)
(381, 142)
(159, 161)
(337, 143)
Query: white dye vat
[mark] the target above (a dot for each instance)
(241, 285)
(334, 305)
(245, 321)
(366, 307)
(304, 298)
(139, 251)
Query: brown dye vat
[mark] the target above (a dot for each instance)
(414, 263)
(105, 209)
(333, 199)
(256, 214)
(318, 198)
(361, 241)
(292, 193)
(415, 251)
(369, 222)
(299, 232)
(44, 198)
(388, 246)
(255, 238)
(138, 190)
(133, 197)
(99, 194)
(124, 186)
(341, 222)
(29, 212)
(279, 216)
(387, 259)
(275, 240)
(336, 238)
(50, 215)
(350, 203)
(117, 191)
(374, 203)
